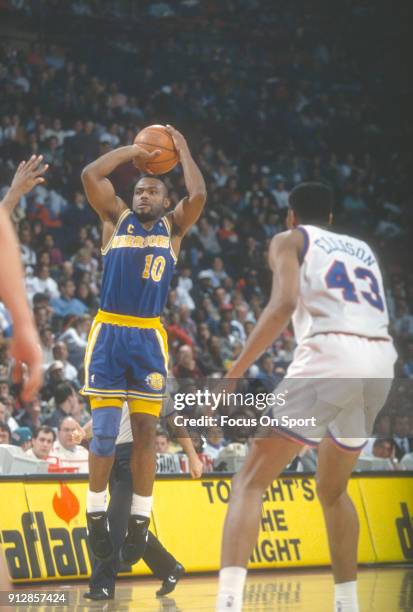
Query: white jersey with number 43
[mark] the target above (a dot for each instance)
(341, 287)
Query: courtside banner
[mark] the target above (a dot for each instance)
(389, 508)
(43, 530)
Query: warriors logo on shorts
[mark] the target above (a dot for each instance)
(155, 381)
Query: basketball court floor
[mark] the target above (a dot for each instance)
(380, 590)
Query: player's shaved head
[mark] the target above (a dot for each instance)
(144, 180)
(312, 203)
(150, 199)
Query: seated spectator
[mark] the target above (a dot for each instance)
(266, 372)
(401, 435)
(65, 452)
(66, 400)
(42, 282)
(186, 366)
(75, 335)
(42, 443)
(30, 414)
(6, 418)
(385, 448)
(217, 273)
(280, 194)
(5, 434)
(214, 442)
(61, 354)
(54, 376)
(67, 304)
(22, 436)
(208, 237)
(161, 442)
(46, 343)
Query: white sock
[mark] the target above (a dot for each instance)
(231, 587)
(141, 505)
(345, 597)
(96, 502)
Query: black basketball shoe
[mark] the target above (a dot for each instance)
(169, 584)
(100, 593)
(99, 536)
(136, 538)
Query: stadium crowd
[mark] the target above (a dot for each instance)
(268, 96)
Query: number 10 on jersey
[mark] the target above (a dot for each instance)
(154, 267)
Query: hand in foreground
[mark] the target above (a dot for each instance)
(25, 348)
(179, 140)
(29, 174)
(196, 466)
(79, 434)
(142, 157)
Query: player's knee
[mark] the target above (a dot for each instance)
(106, 423)
(329, 492)
(103, 446)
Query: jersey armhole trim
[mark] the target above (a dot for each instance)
(123, 216)
(306, 242)
(168, 227)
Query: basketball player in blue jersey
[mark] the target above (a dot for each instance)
(127, 352)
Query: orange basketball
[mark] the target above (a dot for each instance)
(157, 137)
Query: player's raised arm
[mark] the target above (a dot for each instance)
(99, 190)
(28, 174)
(190, 208)
(284, 260)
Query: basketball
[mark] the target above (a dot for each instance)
(157, 137)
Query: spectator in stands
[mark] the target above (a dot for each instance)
(6, 418)
(30, 414)
(66, 400)
(42, 443)
(401, 435)
(67, 304)
(61, 354)
(214, 442)
(162, 442)
(22, 436)
(65, 452)
(75, 334)
(5, 434)
(54, 376)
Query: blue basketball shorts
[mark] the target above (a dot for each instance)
(126, 358)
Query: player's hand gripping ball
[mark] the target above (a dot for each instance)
(157, 138)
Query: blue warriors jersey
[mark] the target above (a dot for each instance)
(138, 265)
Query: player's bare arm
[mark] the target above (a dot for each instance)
(188, 210)
(183, 438)
(25, 346)
(99, 189)
(28, 174)
(284, 261)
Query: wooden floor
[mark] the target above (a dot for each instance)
(380, 590)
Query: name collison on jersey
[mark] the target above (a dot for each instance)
(138, 266)
(341, 287)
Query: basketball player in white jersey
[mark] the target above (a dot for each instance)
(331, 287)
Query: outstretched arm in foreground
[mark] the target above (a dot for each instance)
(25, 347)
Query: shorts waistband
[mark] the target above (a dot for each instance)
(343, 333)
(128, 321)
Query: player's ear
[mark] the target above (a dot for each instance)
(166, 203)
